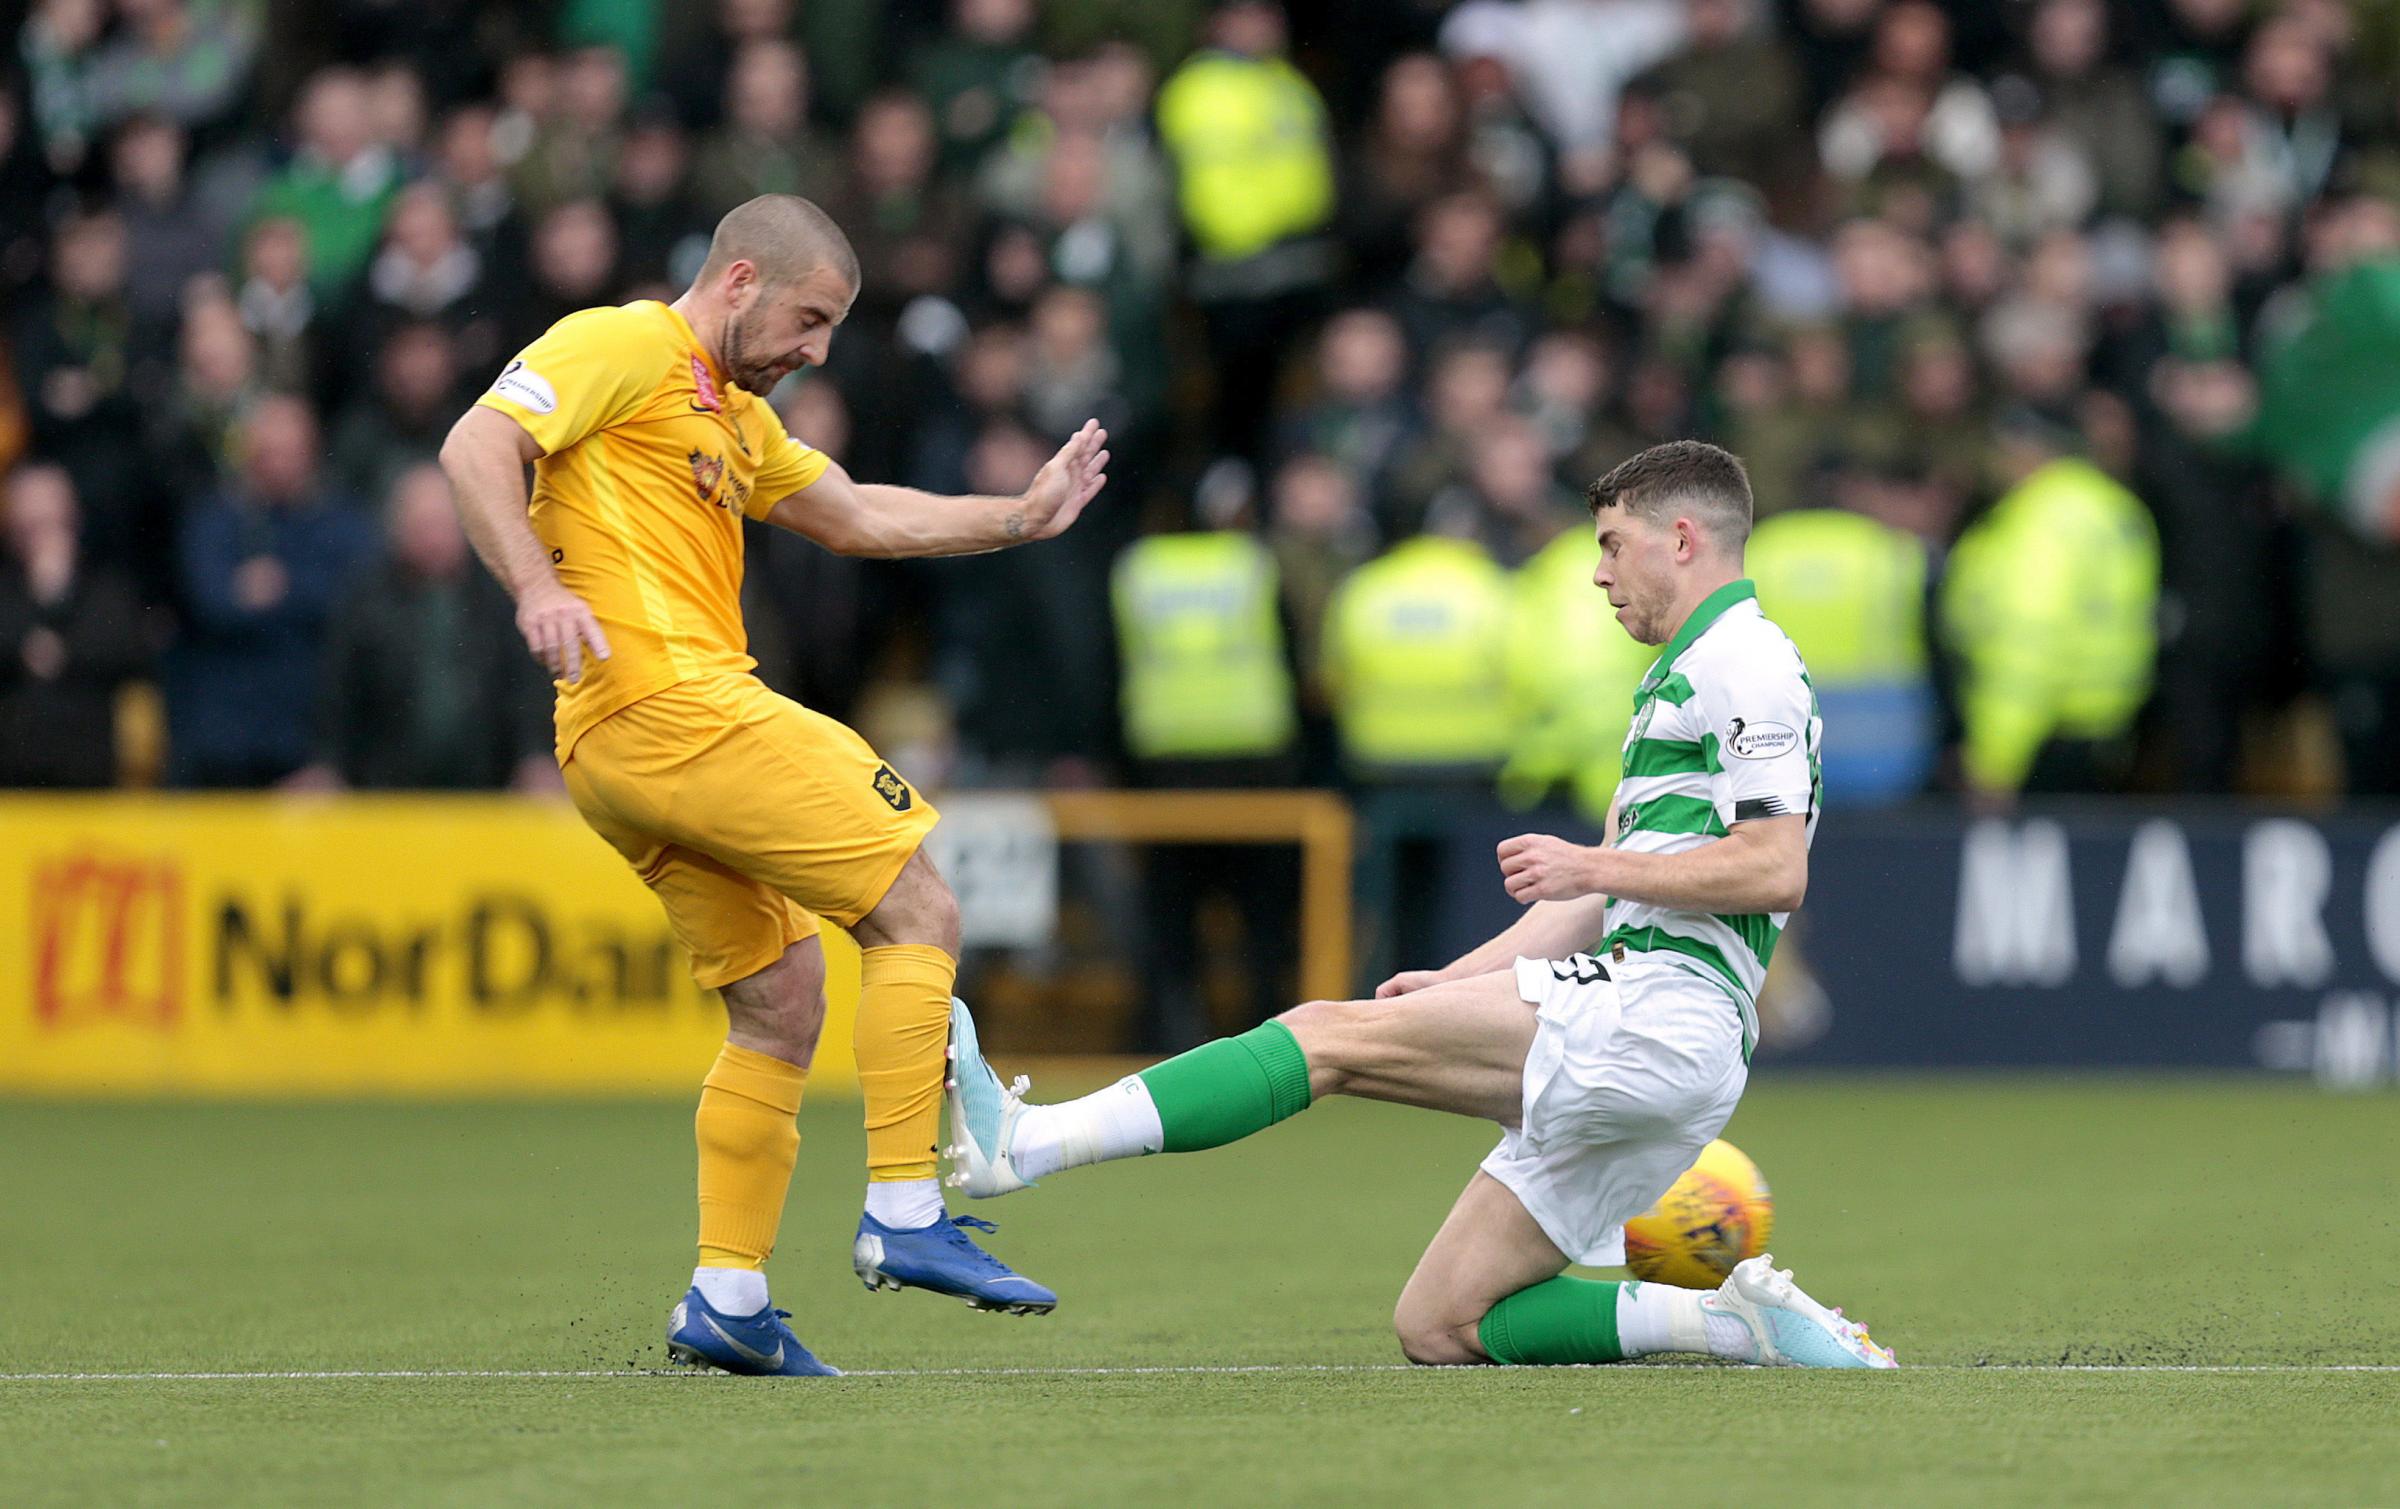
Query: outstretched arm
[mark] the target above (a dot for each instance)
(857, 518)
(485, 458)
(1758, 866)
(1548, 930)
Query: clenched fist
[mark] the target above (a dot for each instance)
(1538, 867)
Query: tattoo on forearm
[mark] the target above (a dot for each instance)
(1014, 524)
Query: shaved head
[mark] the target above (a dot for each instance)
(780, 276)
(785, 237)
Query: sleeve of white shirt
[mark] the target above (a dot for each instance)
(1760, 716)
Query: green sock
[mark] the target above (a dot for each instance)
(1558, 1320)
(1223, 1091)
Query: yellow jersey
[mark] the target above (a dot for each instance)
(651, 458)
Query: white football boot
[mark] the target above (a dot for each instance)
(1790, 1329)
(983, 1115)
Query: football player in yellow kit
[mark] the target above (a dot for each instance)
(748, 814)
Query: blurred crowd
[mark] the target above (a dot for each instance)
(2061, 338)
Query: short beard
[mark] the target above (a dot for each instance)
(737, 366)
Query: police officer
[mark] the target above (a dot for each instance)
(1850, 591)
(2048, 608)
(1207, 695)
(1572, 670)
(1254, 167)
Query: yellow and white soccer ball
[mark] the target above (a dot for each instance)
(1719, 1213)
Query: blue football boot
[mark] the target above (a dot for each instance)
(944, 1259)
(702, 1336)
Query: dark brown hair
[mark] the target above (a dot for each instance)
(1682, 476)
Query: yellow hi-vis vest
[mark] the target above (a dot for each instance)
(1252, 156)
(2050, 604)
(1416, 645)
(1572, 670)
(1204, 673)
(1851, 594)
(1848, 590)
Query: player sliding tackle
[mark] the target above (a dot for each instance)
(1608, 1070)
(749, 815)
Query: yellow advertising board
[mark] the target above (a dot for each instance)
(259, 945)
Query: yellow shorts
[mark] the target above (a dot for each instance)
(746, 813)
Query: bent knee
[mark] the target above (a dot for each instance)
(920, 909)
(1432, 1339)
(1329, 1034)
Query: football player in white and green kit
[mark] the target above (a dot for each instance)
(1608, 1031)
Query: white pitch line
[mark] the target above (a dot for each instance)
(1194, 1370)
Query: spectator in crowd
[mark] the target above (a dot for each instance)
(909, 225)
(1452, 289)
(400, 422)
(72, 632)
(1729, 99)
(171, 234)
(817, 608)
(661, 234)
(75, 355)
(216, 382)
(1012, 643)
(574, 266)
(1839, 235)
(279, 304)
(699, 45)
(1207, 701)
(1360, 417)
(183, 61)
(2096, 107)
(1319, 532)
(470, 172)
(1254, 162)
(425, 684)
(426, 270)
(2050, 605)
(1511, 502)
(338, 185)
(1569, 59)
(977, 79)
(573, 151)
(1085, 152)
(1414, 152)
(766, 145)
(264, 563)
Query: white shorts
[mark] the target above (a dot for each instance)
(1635, 1066)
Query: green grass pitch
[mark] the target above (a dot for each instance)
(2225, 1248)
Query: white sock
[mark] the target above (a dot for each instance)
(1118, 1122)
(1662, 1318)
(906, 1204)
(732, 1291)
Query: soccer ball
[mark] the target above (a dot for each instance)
(1717, 1214)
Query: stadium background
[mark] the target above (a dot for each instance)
(345, 1078)
(2057, 336)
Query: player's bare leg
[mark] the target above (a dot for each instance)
(1457, 1047)
(1488, 1249)
(780, 1010)
(908, 965)
(1491, 1288)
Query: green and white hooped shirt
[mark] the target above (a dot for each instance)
(1725, 731)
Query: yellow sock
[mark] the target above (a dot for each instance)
(748, 1145)
(903, 1037)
